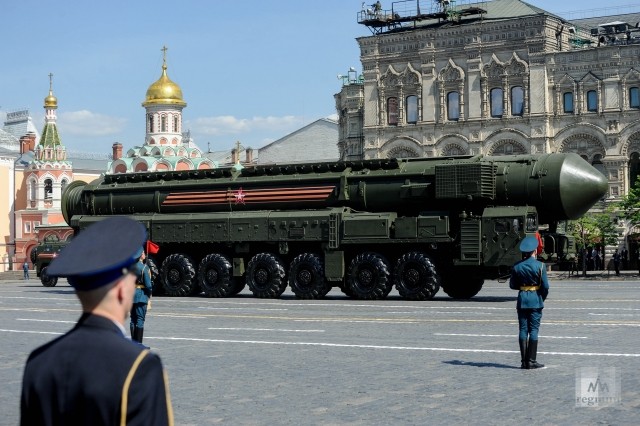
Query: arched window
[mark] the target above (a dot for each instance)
(412, 109)
(517, 101)
(63, 185)
(592, 101)
(392, 111)
(48, 188)
(175, 123)
(634, 97)
(150, 117)
(495, 100)
(163, 123)
(567, 102)
(453, 106)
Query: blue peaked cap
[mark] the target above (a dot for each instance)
(100, 254)
(529, 244)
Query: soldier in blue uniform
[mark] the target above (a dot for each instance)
(144, 287)
(529, 277)
(93, 374)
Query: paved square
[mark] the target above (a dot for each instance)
(340, 361)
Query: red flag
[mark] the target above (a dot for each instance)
(152, 248)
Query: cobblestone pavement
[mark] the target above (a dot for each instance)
(336, 361)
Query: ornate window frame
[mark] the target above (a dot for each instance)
(631, 80)
(399, 85)
(492, 76)
(451, 78)
(590, 83)
(517, 75)
(565, 85)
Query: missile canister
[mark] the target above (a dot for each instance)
(364, 226)
(560, 186)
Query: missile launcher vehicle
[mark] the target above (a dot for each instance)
(363, 226)
(41, 257)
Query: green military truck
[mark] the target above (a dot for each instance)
(363, 226)
(42, 255)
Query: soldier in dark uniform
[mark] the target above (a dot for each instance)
(529, 277)
(616, 262)
(93, 374)
(141, 299)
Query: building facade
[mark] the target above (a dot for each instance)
(514, 79)
(34, 172)
(496, 78)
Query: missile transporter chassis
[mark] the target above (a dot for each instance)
(365, 227)
(41, 257)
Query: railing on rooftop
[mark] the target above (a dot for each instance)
(405, 13)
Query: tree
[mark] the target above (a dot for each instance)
(630, 205)
(585, 232)
(598, 228)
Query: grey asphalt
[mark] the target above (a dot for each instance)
(247, 361)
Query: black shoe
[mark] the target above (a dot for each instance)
(533, 350)
(139, 333)
(524, 361)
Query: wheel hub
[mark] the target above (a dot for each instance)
(173, 276)
(261, 276)
(304, 277)
(365, 276)
(212, 275)
(412, 277)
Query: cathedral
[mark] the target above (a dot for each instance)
(165, 147)
(38, 214)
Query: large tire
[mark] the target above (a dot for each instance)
(306, 277)
(265, 276)
(46, 279)
(215, 276)
(415, 277)
(368, 277)
(177, 275)
(157, 289)
(459, 286)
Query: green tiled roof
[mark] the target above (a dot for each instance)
(50, 136)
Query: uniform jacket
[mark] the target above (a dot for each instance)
(530, 272)
(144, 278)
(78, 379)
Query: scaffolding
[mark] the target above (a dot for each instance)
(408, 13)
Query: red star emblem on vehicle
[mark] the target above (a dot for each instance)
(239, 196)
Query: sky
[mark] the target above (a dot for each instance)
(250, 71)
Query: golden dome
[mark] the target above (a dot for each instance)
(164, 92)
(51, 101)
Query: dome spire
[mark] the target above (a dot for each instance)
(164, 91)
